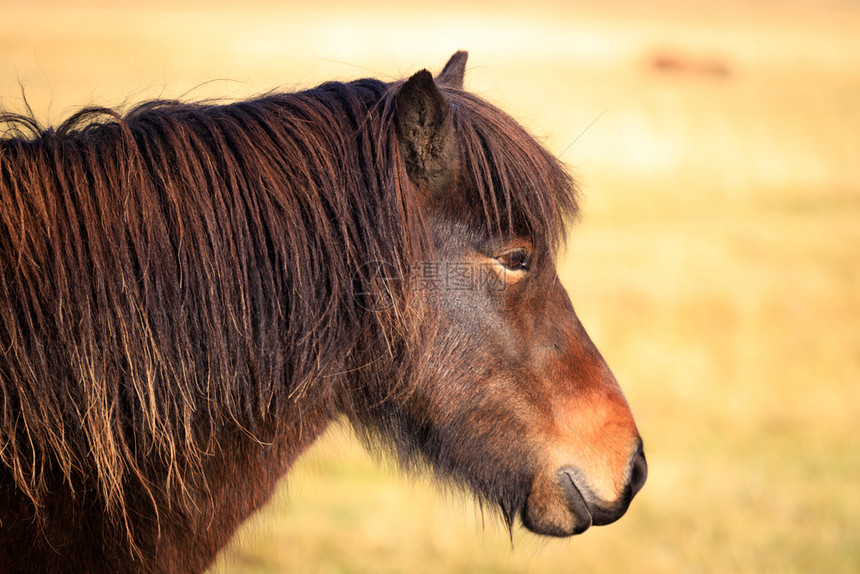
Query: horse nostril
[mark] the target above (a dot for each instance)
(639, 472)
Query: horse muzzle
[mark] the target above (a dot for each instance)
(565, 505)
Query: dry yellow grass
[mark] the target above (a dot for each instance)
(717, 265)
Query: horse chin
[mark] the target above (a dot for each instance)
(556, 507)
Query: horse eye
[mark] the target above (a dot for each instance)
(515, 260)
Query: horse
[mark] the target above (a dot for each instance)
(191, 293)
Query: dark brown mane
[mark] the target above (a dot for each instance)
(189, 268)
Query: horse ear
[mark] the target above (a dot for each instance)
(453, 72)
(425, 131)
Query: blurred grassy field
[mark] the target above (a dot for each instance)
(717, 265)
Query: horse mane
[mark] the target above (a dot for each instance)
(188, 267)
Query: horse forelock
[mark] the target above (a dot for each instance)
(521, 188)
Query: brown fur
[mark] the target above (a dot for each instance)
(186, 303)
